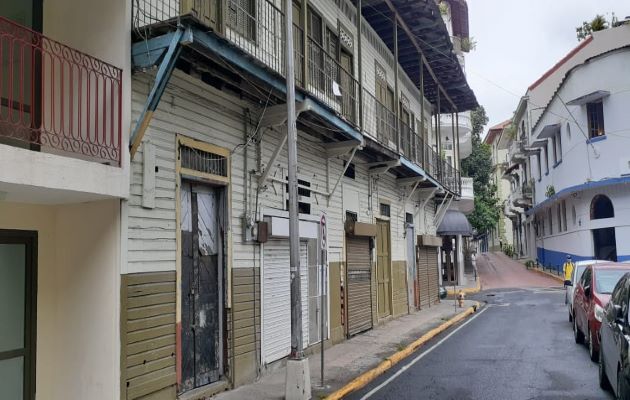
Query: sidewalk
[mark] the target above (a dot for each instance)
(349, 359)
(471, 286)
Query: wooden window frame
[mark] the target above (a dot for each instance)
(595, 119)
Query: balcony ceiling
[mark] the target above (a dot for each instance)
(425, 23)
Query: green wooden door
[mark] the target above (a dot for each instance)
(383, 269)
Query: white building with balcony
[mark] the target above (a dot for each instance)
(64, 168)
(581, 177)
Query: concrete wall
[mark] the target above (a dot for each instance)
(581, 161)
(77, 301)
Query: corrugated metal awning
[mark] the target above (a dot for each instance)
(426, 25)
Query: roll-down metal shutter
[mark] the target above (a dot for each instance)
(276, 313)
(359, 286)
(422, 276)
(434, 277)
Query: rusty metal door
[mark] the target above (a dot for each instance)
(202, 252)
(384, 269)
(359, 284)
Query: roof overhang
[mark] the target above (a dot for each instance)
(589, 98)
(428, 31)
(539, 143)
(549, 131)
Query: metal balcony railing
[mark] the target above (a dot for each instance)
(379, 121)
(257, 27)
(56, 98)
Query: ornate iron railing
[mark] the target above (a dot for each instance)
(54, 97)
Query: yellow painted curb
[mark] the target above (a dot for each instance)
(549, 274)
(469, 290)
(368, 376)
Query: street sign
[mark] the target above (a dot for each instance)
(322, 227)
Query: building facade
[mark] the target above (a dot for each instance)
(149, 206)
(64, 168)
(547, 225)
(499, 138)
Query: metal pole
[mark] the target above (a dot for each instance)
(294, 224)
(360, 62)
(321, 314)
(396, 94)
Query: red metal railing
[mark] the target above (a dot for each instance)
(58, 98)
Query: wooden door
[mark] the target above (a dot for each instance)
(347, 87)
(384, 269)
(202, 253)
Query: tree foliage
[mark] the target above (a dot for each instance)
(598, 23)
(479, 167)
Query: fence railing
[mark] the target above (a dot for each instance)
(379, 122)
(258, 28)
(56, 98)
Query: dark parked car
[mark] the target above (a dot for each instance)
(614, 365)
(591, 297)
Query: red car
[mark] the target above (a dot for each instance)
(592, 294)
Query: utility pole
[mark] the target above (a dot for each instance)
(298, 379)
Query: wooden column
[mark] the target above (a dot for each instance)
(396, 100)
(360, 62)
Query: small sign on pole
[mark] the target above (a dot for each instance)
(323, 262)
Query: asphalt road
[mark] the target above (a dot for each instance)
(519, 346)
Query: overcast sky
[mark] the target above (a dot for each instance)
(517, 41)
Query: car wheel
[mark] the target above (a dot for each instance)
(579, 336)
(603, 379)
(591, 347)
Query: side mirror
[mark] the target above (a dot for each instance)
(587, 291)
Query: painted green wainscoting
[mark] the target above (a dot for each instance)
(148, 336)
(244, 348)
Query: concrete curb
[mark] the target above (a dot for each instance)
(368, 376)
(470, 290)
(549, 274)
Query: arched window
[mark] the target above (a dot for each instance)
(601, 207)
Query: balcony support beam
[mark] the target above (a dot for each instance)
(339, 148)
(459, 161)
(380, 168)
(441, 212)
(396, 93)
(360, 59)
(164, 73)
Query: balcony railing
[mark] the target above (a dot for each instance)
(56, 98)
(467, 187)
(379, 122)
(258, 28)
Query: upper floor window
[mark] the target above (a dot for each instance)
(595, 115)
(602, 207)
(546, 158)
(550, 218)
(242, 16)
(539, 163)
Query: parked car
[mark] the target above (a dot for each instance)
(614, 364)
(580, 266)
(591, 297)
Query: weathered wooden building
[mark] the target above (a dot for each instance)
(207, 219)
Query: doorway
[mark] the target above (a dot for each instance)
(202, 255)
(18, 302)
(384, 269)
(605, 244)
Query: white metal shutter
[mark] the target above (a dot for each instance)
(276, 318)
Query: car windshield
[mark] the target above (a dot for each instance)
(606, 279)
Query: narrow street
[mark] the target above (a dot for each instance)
(519, 346)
